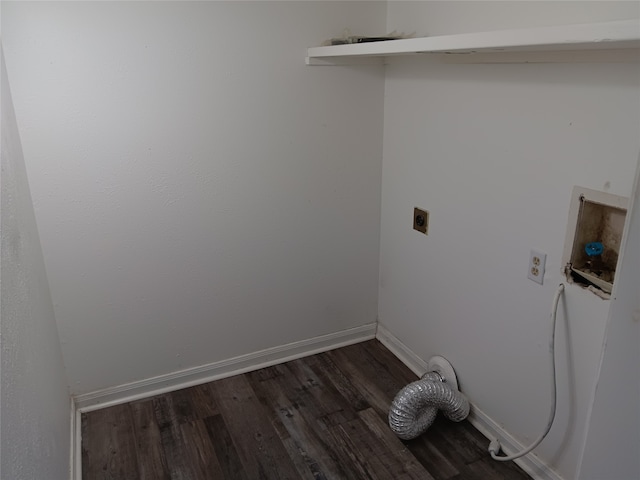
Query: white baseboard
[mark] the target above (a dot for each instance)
(530, 463)
(217, 370)
(75, 457)
(400, 350)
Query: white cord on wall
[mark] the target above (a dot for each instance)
(494, 446)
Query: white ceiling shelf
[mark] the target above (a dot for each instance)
(618, 35)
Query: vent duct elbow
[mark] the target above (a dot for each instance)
(415, 407)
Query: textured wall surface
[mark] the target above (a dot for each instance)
(200, 192)
(493, 152)
(34, 420)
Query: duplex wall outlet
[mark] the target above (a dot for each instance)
(421, 220)
(537, 261)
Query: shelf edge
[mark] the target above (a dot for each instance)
(622, 34)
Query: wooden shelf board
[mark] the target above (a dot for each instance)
(623, 34)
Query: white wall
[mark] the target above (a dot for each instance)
(493, 152)
(34, 421)
(200, 192)
(428, 18)
(613, 440)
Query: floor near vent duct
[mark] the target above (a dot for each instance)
(319, 417)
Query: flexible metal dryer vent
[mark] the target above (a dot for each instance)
(415, 407)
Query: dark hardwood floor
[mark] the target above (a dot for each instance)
(320, 417)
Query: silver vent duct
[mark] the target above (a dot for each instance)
(415, 407)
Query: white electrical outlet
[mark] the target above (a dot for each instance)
(537, 260)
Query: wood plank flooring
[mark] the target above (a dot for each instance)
(320, 417)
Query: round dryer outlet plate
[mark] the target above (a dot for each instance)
(442, 366)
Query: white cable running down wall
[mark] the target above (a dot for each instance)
(494, 446)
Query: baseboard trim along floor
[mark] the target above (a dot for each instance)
(217, 370)
(75, 454)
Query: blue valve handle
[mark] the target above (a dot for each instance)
(594, 248)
